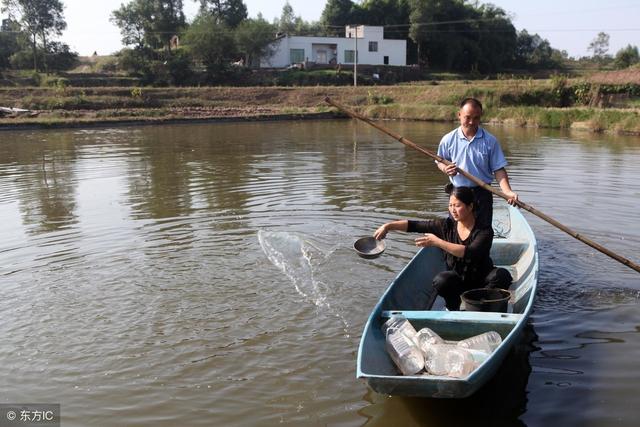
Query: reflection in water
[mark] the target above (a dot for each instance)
(143, 268)
(47, 200)
(581, 376)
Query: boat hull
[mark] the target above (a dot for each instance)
(410, 294)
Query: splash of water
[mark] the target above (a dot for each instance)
(299, 260)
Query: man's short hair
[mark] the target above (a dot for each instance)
(472, 101)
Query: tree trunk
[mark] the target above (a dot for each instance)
(44, 56)
(35, 54)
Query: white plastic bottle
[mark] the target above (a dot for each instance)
(459, 362)
(427, 337)
(479, 356)
(435, 357)
(448, 360)
(404, 352)
(486, 342)
(399, 322)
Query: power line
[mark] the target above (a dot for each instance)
(397, 28)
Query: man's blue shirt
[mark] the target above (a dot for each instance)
(481, 156)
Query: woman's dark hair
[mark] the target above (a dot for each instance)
(472, 101)
(464, 194)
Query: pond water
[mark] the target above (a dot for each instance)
(203, 274)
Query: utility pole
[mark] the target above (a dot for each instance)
(355, 60)
(352, 31)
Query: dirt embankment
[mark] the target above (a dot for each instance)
(59, 107)
(511, 102)
(619, 77)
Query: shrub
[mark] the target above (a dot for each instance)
(37, 78)
(23, 60)
(60, 57)
(59, 84)
(560, 94)
(582, 93)
(379, 99)
(107, 64)
(179, 68)
(136, 92)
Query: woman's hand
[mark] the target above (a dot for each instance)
(427, 240)
(381, 232)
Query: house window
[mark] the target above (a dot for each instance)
(373, 46)
(349, 56)
(297, 56)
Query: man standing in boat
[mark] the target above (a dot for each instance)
(473, 149)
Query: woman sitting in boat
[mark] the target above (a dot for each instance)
(466, 248)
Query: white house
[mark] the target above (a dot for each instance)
(368, 41)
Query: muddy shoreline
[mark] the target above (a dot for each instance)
(167, 121)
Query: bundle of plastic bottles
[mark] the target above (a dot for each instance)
(414, 351)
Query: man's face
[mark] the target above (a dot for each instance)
(469, 116)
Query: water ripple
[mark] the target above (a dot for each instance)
(144, 268)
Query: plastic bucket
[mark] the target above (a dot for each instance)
(486, 299)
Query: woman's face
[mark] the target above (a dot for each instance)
(459, 211)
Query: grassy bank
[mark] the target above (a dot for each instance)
(515, 102)
(579, 118)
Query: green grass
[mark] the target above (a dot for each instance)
(596, 120)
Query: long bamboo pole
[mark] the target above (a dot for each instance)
(482, 184)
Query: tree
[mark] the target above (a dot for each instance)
(417, 31)
(314, 28)
(443, 32)
(212, 43)
(534, 52)
(229, 12)
(496, 38)
(393, 13)
(10, 41)
(38, 18)
(60, 57)
(600, 46)
(130, 19)
(626, 57)
(287, 21)
(150, 23)
(337, 14)
(253, 38)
